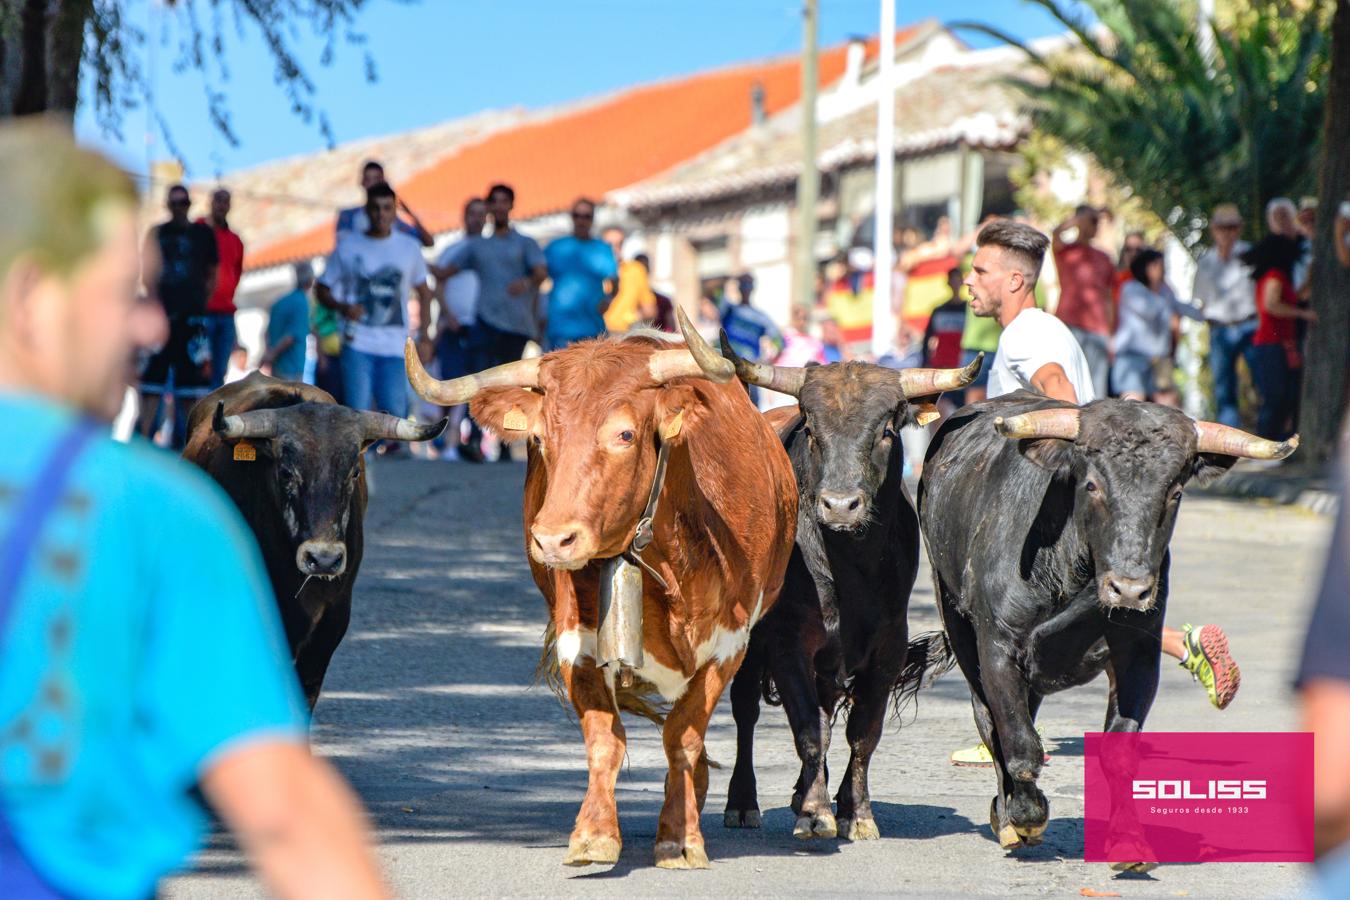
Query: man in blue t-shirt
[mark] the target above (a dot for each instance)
(288, 328)
(579, 266)
(140, 648)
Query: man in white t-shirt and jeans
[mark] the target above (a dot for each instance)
(368, 280)
(1037, 352)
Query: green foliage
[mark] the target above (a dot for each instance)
(1182, 127)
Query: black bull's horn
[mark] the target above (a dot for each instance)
(696, 358)
(789, 379)
(261, 424)
(1211, 437)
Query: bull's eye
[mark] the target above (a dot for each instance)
(1176, 495)
(1090, 487)
(626, 436)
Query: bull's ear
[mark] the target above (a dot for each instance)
(677, 410)
(511, 413)
(1208, 466)
(1052, 454)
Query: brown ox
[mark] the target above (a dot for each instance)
(593, 415)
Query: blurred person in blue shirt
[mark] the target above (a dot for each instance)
(579, 266)
(140, 649)
(288, 328)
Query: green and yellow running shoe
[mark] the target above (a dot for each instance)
(979, 755)
(1210, 663)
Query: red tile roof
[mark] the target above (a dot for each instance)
(594, 148)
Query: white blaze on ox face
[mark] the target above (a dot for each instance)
(722, 645)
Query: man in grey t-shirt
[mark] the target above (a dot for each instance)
(510, 268)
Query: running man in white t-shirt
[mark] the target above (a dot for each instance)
(1037, 352)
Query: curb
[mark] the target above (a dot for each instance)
(1316, 495)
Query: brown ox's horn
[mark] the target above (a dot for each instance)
(1224, 439)
(695, 358)
(1040, 423)
(925, 382)
(452, 392)
(380, 426)
(785, 379)
(256, 423)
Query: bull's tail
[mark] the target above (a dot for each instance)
(929, 658)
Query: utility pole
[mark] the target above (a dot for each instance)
(883, 252)
(808, 181)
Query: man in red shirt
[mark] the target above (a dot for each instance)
(1086, 284)
(220, 305)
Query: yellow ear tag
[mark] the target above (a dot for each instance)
(515, 420)
(671, 429)
(928, 412)
(245, 452)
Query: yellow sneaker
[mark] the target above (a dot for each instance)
(978, 755)
(1210, 663)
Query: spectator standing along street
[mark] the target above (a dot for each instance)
(580, 266)
(288, 328)
(661, 315)
(1142, 369)
(1086, 279)
(368, 280)
(942, 338)
(355, 219)
(1275, 343)
(800, 347)
(220, 330)
(120, 689)
(180, 270)
(633, 293)
(510, 268)
(1223, 287)
(458, 298)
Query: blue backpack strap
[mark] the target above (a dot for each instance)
(18, 879)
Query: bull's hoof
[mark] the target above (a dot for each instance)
(1137, 867)
(670, 855)
(741, 818)
(1031, 834)
(821, 825)
(859, 829)
(1004, 832)
(598, 849)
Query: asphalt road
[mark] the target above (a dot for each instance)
(473, 777)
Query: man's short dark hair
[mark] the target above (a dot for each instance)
(471, 201)
(502, 189)
(1022, 242)
(1087, 209)
(378, 191)
(645, 260)
(372, 164)
(176, 189)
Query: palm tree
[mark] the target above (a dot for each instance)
(1183, 126)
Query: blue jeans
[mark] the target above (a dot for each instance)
(222, 336)
(1273, 381)
(1226, 344)
(374, 382)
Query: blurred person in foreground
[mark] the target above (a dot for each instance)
(288, 329)
(220, 330)
(120, 689)
(1087, 280)
(1223, 287)
(580, 266)
(180, 271)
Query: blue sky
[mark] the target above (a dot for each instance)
(440, 59)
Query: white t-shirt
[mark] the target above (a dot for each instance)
(377, 274)
(461, 291)
(1032, 340)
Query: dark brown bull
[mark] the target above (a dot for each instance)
(299, 479)
(593, 415)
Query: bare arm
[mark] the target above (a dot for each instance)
(1326, 713)
(1275, 305)
(275, 351)
(423, 310)
(422, 234)
(324, 295)
(150, 265)
(298, 822)
(1057, 242)
(1051, 381)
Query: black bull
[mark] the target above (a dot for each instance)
(299, 481)
(1048, 527)
(838, 636)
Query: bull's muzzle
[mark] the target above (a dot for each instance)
(568, 546)
(1137, 593)
(326, 559)
(841, 510)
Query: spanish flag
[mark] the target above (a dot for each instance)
(925, 290)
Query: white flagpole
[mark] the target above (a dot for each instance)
(883, 318)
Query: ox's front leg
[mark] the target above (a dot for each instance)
(679, 840)
(1020, 751)
(596, 838)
